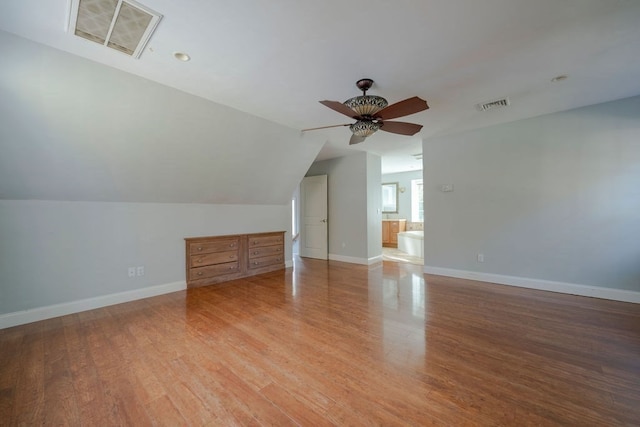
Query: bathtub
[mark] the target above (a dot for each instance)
(411, 242)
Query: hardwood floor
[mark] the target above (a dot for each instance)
(330, 344)
(396, 255)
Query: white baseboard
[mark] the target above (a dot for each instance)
(41, 313)
(349, 259)
(375, 259)
(288, 264)
(355, 260)
(542, 285)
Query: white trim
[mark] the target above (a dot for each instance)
(41, 313)
(543, 285)
(349, 259)
(354, 260)
(375, 259)
(288, 264)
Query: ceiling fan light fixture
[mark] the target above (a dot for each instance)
(366, 105)
(364, 128)
(373, 113)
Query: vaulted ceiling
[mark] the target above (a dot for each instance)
(275, 60)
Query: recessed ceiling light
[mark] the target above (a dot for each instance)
(559, 78)
(181, 56)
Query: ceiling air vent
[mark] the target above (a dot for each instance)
(125, 26)
(491, 105)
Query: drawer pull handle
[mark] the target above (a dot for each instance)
(199, 273)
(231, 256)
(199, 260)
(256, 253)
(255, 242)
(232, 245)
(199, 248)
(255, 262)
(231, 268)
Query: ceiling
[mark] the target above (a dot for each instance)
(277, 59)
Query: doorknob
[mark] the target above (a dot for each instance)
(324, 220)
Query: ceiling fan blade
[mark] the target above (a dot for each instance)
(340, 108)
(402, 128)
(356, 139)
(402, 108)
(325, 127)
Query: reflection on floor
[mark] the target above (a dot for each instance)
(393, 254)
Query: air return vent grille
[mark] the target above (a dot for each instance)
(125, 26)
(498, 103)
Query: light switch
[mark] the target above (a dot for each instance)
(445, 188)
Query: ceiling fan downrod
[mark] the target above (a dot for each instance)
(364, 85)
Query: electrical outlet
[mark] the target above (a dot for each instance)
(131, 271)
(140, 271)
(480, 257)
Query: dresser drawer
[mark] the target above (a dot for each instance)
(256, 241)
(265, 261)
(219, 245)
(213, 258)
(258, 252)
(213, 270)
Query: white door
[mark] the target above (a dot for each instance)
(313, 210)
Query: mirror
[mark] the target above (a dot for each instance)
(390, 197)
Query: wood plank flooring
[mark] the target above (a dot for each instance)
(328, 343)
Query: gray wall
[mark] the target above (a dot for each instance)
(72, 129)
(350, 200)
(555, 197)
(374, 201)
(404, 199)
(57, 252)
(104, 141)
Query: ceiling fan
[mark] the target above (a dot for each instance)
(372, 113)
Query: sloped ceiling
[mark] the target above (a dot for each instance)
(72, 129)
(277, 59)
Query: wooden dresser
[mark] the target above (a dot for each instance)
(390, 230)
(216, 259)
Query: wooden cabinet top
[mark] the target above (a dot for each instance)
(232, 236)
